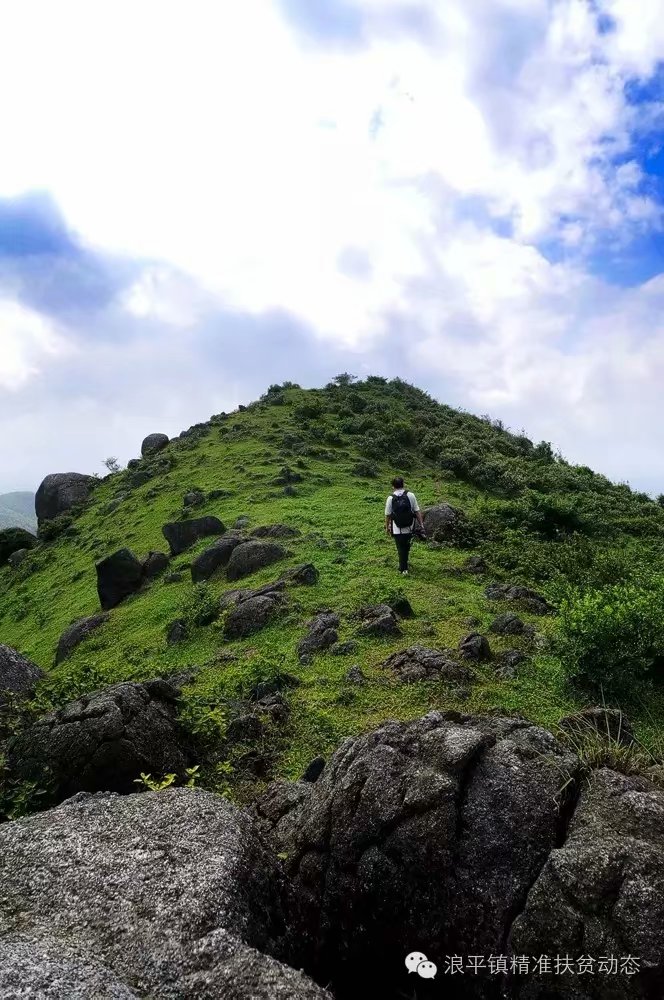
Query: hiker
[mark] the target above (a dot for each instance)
(401, 512)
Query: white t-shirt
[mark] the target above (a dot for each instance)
(388, 511)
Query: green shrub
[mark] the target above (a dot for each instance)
(200, 607)
(610, 637)
(52, 529)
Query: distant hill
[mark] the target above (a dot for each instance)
(17, 510)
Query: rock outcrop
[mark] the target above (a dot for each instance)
(442, 522)
(60, 492)
(153, 443)
(169, 894)
(18, 675)
(322, 633)
(417, 663)
(181, 535)
(251, 610)
(103, 741)
(525, 598)
(215, 556)
(252, 556)
(76, 634)
(118, 576)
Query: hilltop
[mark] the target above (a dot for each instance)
(17, 510)
(320, 461)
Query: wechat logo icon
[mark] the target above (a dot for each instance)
(419, 963)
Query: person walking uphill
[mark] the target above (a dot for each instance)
(401, 511)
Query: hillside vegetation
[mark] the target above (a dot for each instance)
(321, 460)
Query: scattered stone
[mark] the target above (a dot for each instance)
(276, 531)
(344, 648)
(321, 635)
(508, 662)
(177, 632)
(475, 647)
(417, 663)
(17, 558)
(212, 558)
(249, 557)
(103, 741)
(379, 621)
(219, 494)
(13, 541)
(314, 770)
(118, 576)
(475, 564)
(275, 707)
(173, 577)
(181, 535)
(305, 575)
(60, 492)
(472, 621)
(610, 723)
(172, 891)
(195, 498)
(355, 675)
(154, 443)
(306, 659)
(527, 599)
(442, 522)
(244, 729)
(18, 675)
(507, 624)
(251, 615)
(154, 564)
(76, 634)
(286, 477)
(241, 523)
(139, 478)
(402, 607)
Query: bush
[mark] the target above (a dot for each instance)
(610, 637)
(49, 530)
(200, 606)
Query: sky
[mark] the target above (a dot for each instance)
(199, 199)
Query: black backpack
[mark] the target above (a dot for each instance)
(402, 512)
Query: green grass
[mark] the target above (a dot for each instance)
(341, 520)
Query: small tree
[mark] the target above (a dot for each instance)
(344, 379)
(112, 464)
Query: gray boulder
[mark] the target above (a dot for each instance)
(424, 835)
(18, 557)
(525, 598)
(170, 894)
(417, 663)
(118, 576)
(76, 634)
(322, 633)
(103, 741)
(45, 968)
(218, 554)
(154, 564)
(601, 893)
(18, 675)
(441, 522)
(379, 621)
(251, 615)
(153, 443)
(507, 624)
(249, 557)
(305, 575)
(194, 498)
(475, 565)
(60, 492)
(474, 647)
(276, 531)
(181, 535)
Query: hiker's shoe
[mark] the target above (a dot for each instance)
(404, 572)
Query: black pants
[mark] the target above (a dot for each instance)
(403, 548)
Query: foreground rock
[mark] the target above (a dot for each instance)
(103, 741)
(215, 556)
(18, 675)
(60, 492)
(424, 835)
(420, 664)
(169, 894)
(251, 610)
(118, 576)
(601, 893)
(305, 575)
(181, 535)
(322, 633)
(154, 443)
(76, 634)
(379, 621)
(252, 556)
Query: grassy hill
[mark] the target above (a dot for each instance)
(17, 510)
(535, 519)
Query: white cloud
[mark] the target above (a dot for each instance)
(27, 341)
(350, 188)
